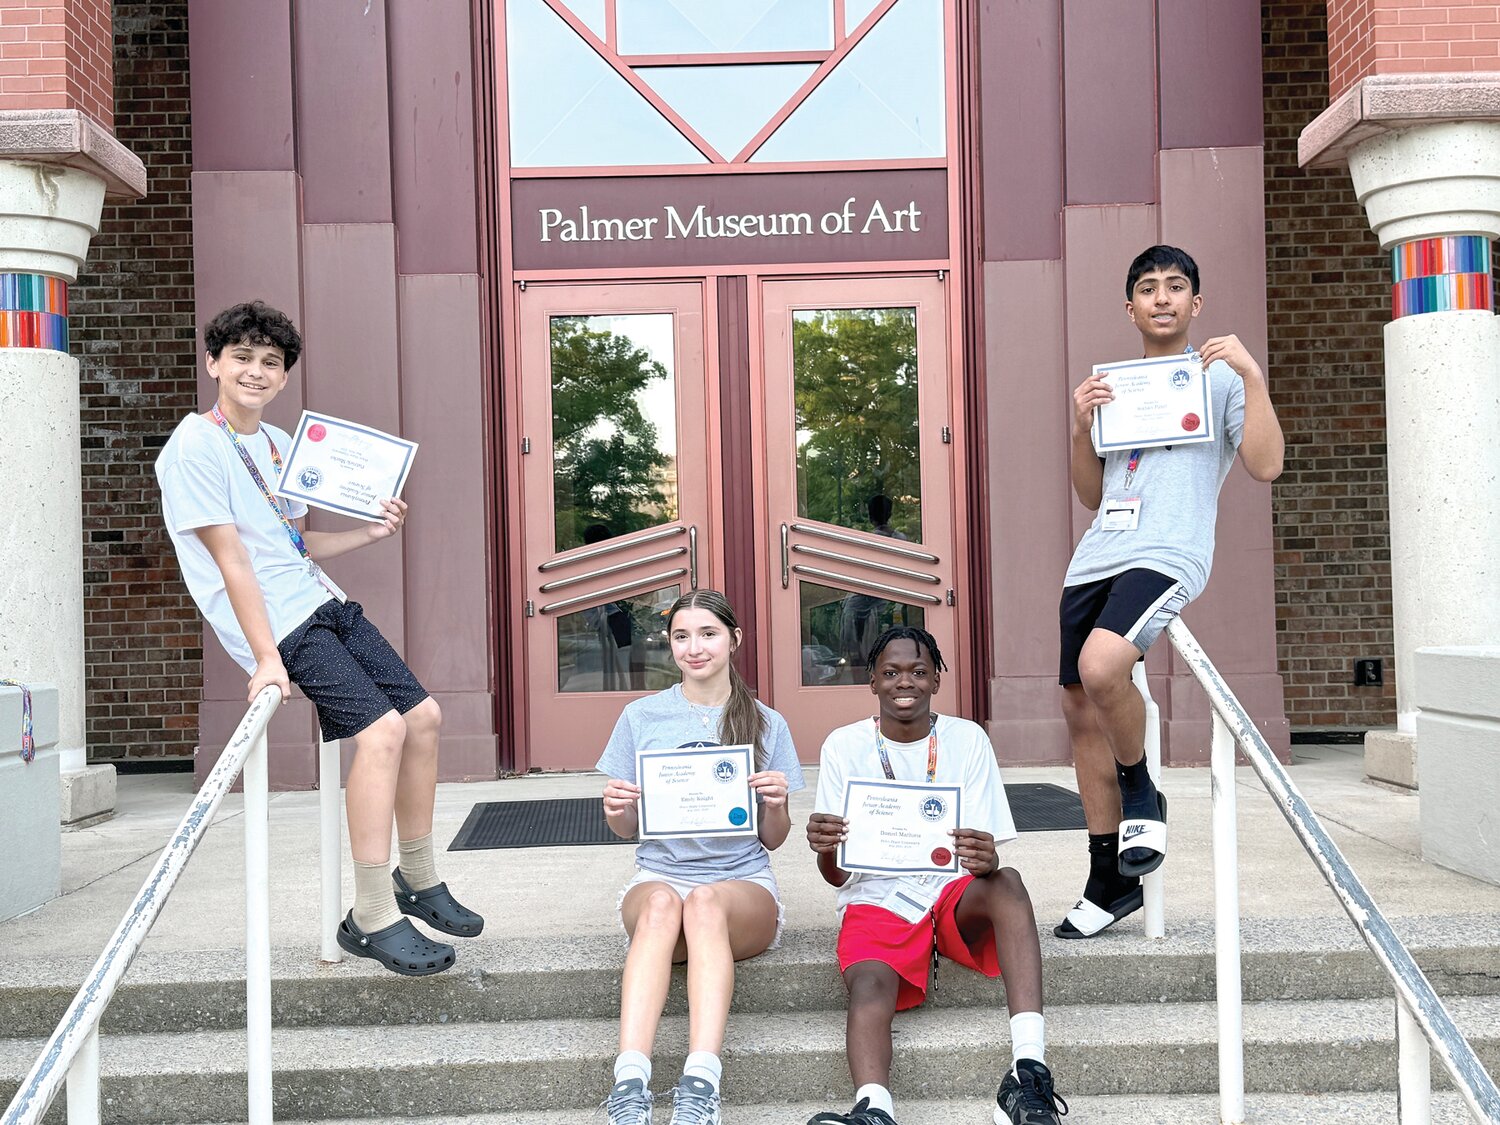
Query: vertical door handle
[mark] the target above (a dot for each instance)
(786, 559)
(693, 557)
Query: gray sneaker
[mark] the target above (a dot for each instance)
(629, 1103)
(695, 1102)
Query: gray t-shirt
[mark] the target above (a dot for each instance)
(666, 721)
(1178, 487)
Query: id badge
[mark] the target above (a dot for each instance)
(1120, 514)
(326, 582)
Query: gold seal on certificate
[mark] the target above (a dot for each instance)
(344, 467)
(900, 827)
(1167, 400)
(696, 791)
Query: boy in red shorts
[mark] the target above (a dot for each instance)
(981, 918)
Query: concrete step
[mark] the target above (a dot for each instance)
(579, 978)
(1172, 1109)
(453, 1069)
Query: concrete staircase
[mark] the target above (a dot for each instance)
(523, 1034)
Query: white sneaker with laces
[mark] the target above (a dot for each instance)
(695, 1102)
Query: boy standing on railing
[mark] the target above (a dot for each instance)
(1133, 572)
(257, 580)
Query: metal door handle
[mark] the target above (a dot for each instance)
(693, 557)
(786, 561)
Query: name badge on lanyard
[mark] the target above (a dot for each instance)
(1120, 514)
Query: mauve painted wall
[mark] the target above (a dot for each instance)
(1109, 101)
(295, 200)
(1210, 73)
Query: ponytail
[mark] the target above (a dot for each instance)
(742, 722)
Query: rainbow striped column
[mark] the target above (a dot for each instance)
(33, 311)
(1441, 275)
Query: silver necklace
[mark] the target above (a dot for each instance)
(705, 715)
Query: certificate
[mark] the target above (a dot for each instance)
(344, 467)
(1161, 401)
(702, 791)
(900, 827)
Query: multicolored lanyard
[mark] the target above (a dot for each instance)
(28, 743)
(1130, 466)
(260, 482)
(885, 758)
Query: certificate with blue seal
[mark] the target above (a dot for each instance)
(345, 467)
(696, 791)
(900, 827)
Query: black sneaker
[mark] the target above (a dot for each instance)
(861, 1114)
(1026, 1097)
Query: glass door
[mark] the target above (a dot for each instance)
(860, 487)
(613, 405)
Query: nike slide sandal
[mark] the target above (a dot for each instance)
(1087, 919)
(1143, 843)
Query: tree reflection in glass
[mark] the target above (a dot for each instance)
(855, 378)
(614, 434)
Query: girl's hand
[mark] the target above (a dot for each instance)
(620, 797)
(770, 787)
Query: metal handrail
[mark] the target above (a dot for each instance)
(72, 1053)
(1418, 1008)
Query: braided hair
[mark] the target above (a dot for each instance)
(921, 637)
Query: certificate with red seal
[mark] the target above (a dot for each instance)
(344, 467)
(1167, 400)
(900, 827)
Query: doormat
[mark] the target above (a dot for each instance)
(580, 820)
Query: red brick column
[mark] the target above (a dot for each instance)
(1370, 37)
(57, 54)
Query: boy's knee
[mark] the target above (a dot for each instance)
(1007, 883)
(386, 733)
(1102, 676)
(872, 986)
(426, 717)
(1075, 704)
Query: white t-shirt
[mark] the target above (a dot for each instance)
(964, 757)
(204, 483)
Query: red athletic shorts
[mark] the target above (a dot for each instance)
(872, 933)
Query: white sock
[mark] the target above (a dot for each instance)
(702, 1064)
(880, 1097)
(632, 1064)
(1028, 1037)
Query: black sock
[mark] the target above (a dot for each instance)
(1137, 791)
(1105, 884)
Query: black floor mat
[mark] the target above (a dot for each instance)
(580, 820)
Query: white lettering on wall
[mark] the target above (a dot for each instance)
(881, 218)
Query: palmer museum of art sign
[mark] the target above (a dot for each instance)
(612, 222)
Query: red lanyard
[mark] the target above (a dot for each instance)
(885, 758)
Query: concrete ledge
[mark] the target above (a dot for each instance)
(1384, 103)
(1458, 690)
(87, 795)
(1391, 756)
(72, 138)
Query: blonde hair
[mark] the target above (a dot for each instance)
(741, 721)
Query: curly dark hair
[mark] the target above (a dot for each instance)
(253, 322)
(921, 637)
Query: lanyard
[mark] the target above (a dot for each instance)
(28, 743)
(292, 533)
(885, 758)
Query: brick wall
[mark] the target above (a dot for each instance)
(1406, 36)
(1329, 298)
(55, 54)
(132, 326)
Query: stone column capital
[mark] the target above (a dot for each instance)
(72, 139)
(1430, 181)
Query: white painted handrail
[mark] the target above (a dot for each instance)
(1422, 1022)
(72, 1053)
(1153, 888)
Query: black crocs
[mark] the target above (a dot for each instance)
(400, 948)
(437, 908)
